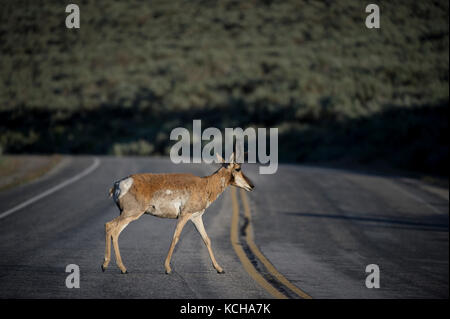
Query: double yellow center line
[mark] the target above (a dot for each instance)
(248, 266)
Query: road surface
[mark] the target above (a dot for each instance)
(304, 232)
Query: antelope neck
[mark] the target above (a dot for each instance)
(217, 183)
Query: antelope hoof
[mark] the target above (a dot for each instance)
(103, 268)
(221, 271)
(168, 271)
(124, 272)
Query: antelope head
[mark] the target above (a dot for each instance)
(237, 177)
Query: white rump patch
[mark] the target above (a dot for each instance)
(125, 186)
(168, 192)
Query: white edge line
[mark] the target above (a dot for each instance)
(71, 180)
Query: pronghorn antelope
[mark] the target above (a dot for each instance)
(181, 196)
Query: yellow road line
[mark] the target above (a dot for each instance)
(261, 257)
(241, 254)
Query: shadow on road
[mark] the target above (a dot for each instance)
(439, 223)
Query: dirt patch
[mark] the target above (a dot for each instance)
(20, 169)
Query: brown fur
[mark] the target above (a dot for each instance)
(181, 196)
(200, 189)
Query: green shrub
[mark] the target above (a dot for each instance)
(135, 70)
(140, 147)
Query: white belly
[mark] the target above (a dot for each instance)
(167, 204)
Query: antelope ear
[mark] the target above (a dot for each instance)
(220, 158)
(231, 159)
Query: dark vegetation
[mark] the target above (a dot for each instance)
(135, 70)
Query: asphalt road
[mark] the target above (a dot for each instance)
(318, 228)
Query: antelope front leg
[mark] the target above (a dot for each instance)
(198, 222)
(176, 236)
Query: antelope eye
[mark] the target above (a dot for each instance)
(238, 169)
